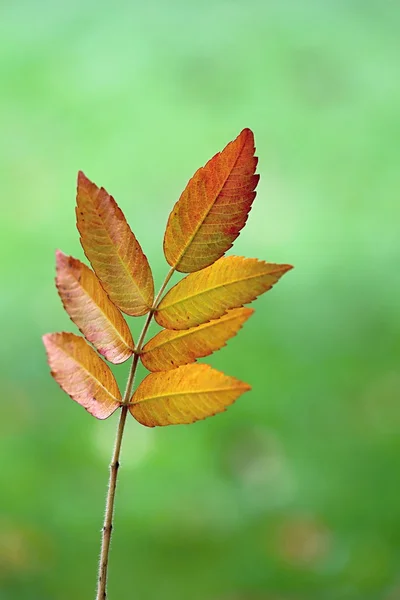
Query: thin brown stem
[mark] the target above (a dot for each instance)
(114, 466)
(107, 527)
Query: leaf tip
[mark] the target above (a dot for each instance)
(286, 268)
(246, 387)
(49, 340)
(61, 258)
(81, 177)
(49, 337)
(246, 132)
(46, 339)
(65, 261)
(83, 186)
(59, 253)
(276, 268)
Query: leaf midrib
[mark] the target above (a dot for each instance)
(124, 265)
(92, 376)
(189, 393)
(113, 326)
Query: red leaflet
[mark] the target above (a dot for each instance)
(213, 208)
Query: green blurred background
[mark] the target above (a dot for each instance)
(294, 492)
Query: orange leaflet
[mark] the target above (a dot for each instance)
(91, 309)
(213, 208)
(113, 250)
(184, 395)
(208, 294)
(81, 373)
(170, 349)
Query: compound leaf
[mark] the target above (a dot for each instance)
(208, 294)
(91, 309)
(184, 395)
(113, 250)
(170, 349)
(82, 374)
(213, 208)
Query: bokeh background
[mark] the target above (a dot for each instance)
(293, 494)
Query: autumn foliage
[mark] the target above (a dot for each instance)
(198, 315)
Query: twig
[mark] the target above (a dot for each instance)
(114, 466)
